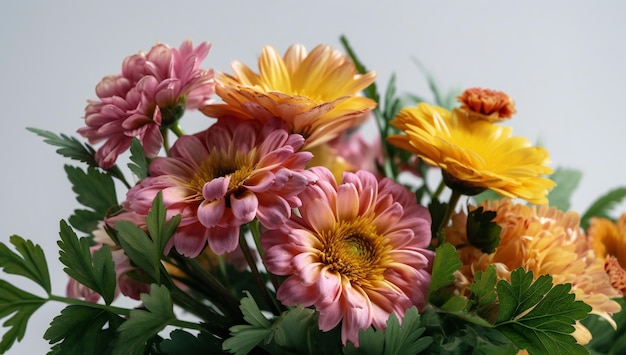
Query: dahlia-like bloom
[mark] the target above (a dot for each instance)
(151, 93)
(608, 240)
(125, 284)
(315, 93)
(486, 104)
(543, 240)
(222, 178)
(474, 155)
(356, 251)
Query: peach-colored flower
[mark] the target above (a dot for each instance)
(356, 251)
(543, 240)
(150, 94)
(222, 178)
(315, 93)
(486, 104)
(608, 240)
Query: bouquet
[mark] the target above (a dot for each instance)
(282, 228)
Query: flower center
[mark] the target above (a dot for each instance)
(355, 250)
(220, 163)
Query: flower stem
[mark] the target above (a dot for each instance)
(454, 199)
(78, 302)
(178, 131)
(245, 248)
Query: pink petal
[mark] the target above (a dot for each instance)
(244, 206)
(224, 239)
(215, 188)
(210, 212)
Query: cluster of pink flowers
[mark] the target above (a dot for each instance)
(355, 250)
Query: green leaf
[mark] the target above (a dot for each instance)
(70, 147)
(140, 163)
(83, 330)
(21, 305)
(566, 182)
(484, 286)
(603, 205)
(446, 262)
(437, 211)
(537, 316)
(396, 339)
(247, 337)
(135, 334)
(481, 231)
(447, 101)
(31, 264)
(607, 340)
(94, 189)
(143, 250)
(98, 274)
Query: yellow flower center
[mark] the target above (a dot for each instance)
(221, 164)
(354, 249)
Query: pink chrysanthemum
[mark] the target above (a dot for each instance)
(152, 91)
(224, 177)
(356, 251)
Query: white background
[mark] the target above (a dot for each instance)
(562, 61)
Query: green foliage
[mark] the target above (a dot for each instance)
(566, 182)
(143, 250)
(247, 337)
(140, 163)
(184, 343)
(143, 325)
(31, 264)
(437, 211)
(396, 339)
(537, 316)
(70, 147)
(83, 330)
(19, 306)
(94, 190)
(607, 340)
(97, 273)
(447, 101)
(481, 231)
(446, 263)
(603, 205)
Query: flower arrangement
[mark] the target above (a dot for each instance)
(280, 229)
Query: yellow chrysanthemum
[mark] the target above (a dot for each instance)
(315, 93)
(608, 240)
(474, 155)
(546, 241)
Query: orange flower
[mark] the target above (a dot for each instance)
(608, 240)
(546, 241)
(315, 93)
(485, 104)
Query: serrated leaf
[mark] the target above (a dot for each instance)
(93, 188)
(446, 262)
(537, 316)
(481, 231)
(396, 339)
(246, 337)
(83, 330)
(484, 286)
(142, 326)
(75, 254)
(603, 205)
(566, 182)
(140, 163)
(18, 305)
(251, 312)
(160, 229)
(31, 264)
(70, 147)
(85, 221)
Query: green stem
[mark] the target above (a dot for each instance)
(454, 199)
(77, 302)
(189, 325)
(256, 235)
(166, 141)
(245, 248)
(439, 190)
(178, 131)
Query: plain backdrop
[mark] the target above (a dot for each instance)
(562, 61)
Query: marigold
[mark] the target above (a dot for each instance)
(486, 104)
(315, 93)
(474, 155)
(608, 240)
(222, 178)
(356, 251)
(152, 91)
(544, 240)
